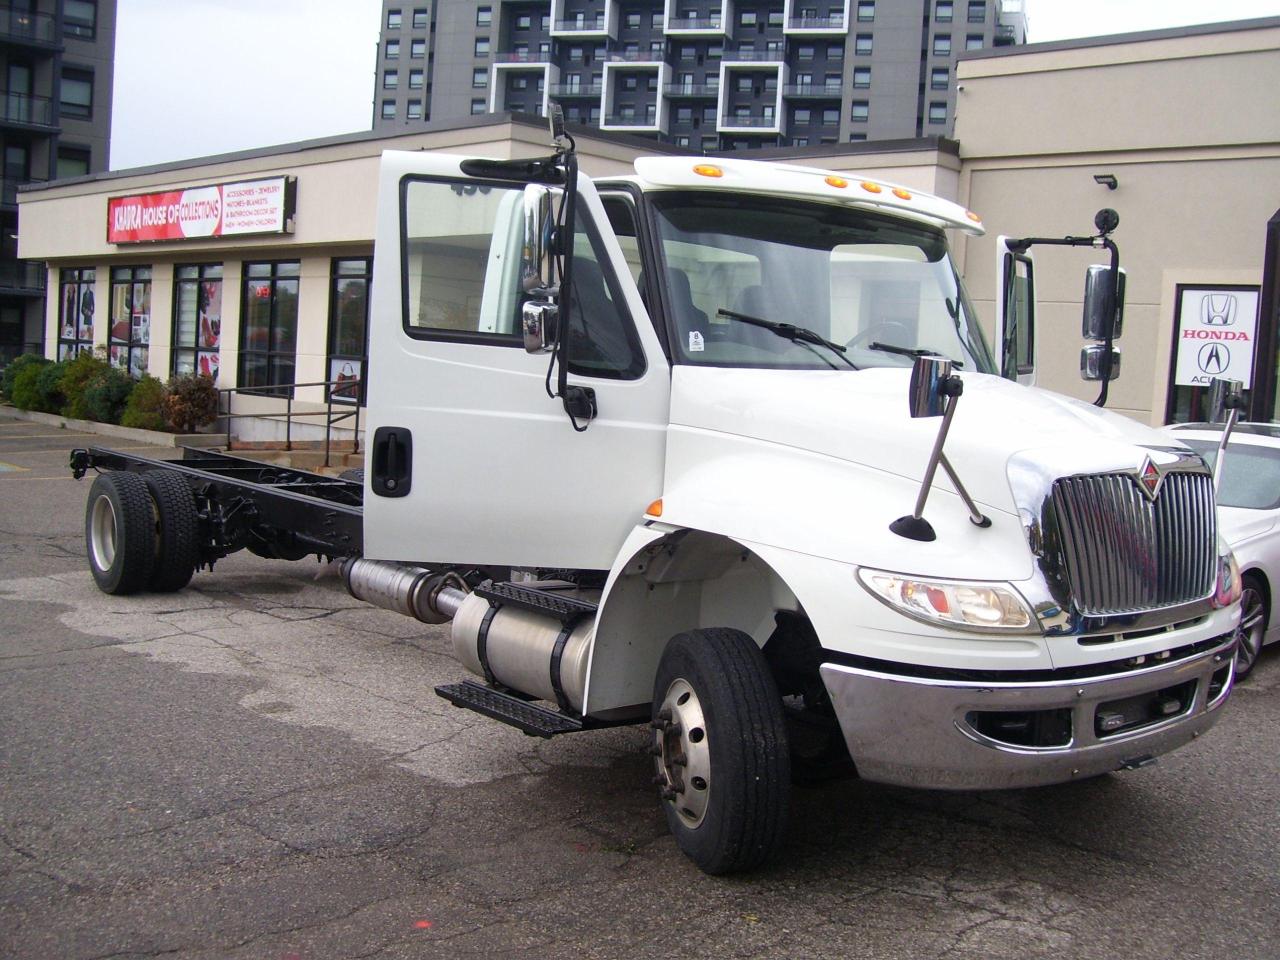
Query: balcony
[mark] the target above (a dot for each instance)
(583, 25)
(576, 89)
(691, 89)
(812, 90)
(23, 277)
(695, 25)
(9, 189)
(636, 56)
(754, 122)
(753, 56)
(624, 122)
(523, 56)
(22, 109)
(816, 25)
(26, 28)
(1005, 36)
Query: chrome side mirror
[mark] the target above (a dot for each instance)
(1101, 303)
(926, 396)
(1091, 359)
(537, 266)
(538, 323)
(1225, 396)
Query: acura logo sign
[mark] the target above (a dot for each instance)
(1213, 358)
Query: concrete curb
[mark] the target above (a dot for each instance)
(150, 437)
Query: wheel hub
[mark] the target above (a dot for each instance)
(682, 752)
(102, 528)
(1249, 632)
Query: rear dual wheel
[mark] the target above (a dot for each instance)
(141, 532)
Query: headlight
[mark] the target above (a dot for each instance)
(966, 604)
(1229, 587)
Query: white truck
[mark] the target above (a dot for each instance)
(665, 449)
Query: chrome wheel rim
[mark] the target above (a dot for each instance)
(683, 753)
(102, 533)
(1249, 632)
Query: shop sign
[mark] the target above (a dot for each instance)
(219, 210)
(1216, 330)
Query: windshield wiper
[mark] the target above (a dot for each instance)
(910, 351)
(788, 331)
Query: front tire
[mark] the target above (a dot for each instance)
(1253, 625)
(120, 533)
(723, 768)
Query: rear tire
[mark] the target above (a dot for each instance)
(721, 750)
(178, 540)
(1252, 630)
(120, 533)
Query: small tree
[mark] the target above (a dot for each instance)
(191, 403)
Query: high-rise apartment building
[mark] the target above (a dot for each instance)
(705, 74)
(55, 121)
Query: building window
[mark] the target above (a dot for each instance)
(684, 114)
(942, 45)
(656, 20)
(393, 49)
(419, 19)
(857, 137)
(682, 141)
(800, 115)
(522, 83)
(747, 18)
(79, 18)
(744, 84)
(388, 109)
(482, 46)
(973, 41)
(390, 79)
(415, 79)
(72, 162)
(349, 327)
(269, 326)
(393, 19)
(799, 141)
(866, 11)
(937, 112)
(484, 16)
(197, 319)
(804, 52)
(130, 334)
(862, 77)
(940, 78)
(633, 21)
(77, 94)
(708, 114)
(477, 106)
(860, 111)
(830, 117)
(862, 44)
(711, 142)
(75, 312)
(835, 53)
(414, 110)
(524, 22)
(977, 11)
(479, 77)
(417, 49)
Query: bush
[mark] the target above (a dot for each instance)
(145, 409)
(26, 395)
(191, 402)
(80, 373)
(10, 373)
(49, 396)
(105, 398)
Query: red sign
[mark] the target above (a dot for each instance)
(220, 210)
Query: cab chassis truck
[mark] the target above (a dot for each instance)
(719, 447)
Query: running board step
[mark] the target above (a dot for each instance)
(550, 598)
(527, 717)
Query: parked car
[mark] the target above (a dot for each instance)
(1249, 518)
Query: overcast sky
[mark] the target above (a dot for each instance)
(200, 77)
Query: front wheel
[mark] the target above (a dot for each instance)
(721, 750)
(1253, 626)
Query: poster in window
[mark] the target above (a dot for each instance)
(86, 312)
(140, 313)
(207, 365)
(209, 309)
(138, 362)
(119, 356)
(345, 377)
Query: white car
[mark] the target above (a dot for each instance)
(1249, 519)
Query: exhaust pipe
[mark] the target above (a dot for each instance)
(426, 595)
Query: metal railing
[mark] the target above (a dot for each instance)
(731, 122)
(816, 23)
(575, 90)
(27, 27)
(621, 120)
(25, 108)
(693, 23)
(523, 56)
(691, 89)
(812, 90)
(595, 25)
(351, 387)
(755, 56)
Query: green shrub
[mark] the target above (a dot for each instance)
(191, 402)
(49, 395)
(145, 409)
(105, 398)
(10, 373)
(26, 393)
(80, 373)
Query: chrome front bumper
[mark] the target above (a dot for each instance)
(925, 733)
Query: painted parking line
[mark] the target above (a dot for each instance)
(12, 468)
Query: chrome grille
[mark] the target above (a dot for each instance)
(1124, 553)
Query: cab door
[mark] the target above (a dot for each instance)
(469, 460)
(1015, 341)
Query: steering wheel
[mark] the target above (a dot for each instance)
(885, 327)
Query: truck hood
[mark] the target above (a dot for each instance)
(823, 461)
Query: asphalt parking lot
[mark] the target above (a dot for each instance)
(257, 767)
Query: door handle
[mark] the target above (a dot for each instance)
(392, 467)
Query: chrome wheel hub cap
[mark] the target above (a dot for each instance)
(682, 752)
(1249, 633)
(102, 529)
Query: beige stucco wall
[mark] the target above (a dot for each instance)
(1190, 127)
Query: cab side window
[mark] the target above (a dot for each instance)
(602, 340)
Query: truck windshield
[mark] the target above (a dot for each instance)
(884, 288)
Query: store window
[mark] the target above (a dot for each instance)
(269, 327)
(75, 312)
(130, 334)
(348, 327)
(197, 319)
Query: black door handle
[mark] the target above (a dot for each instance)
(392, 466)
